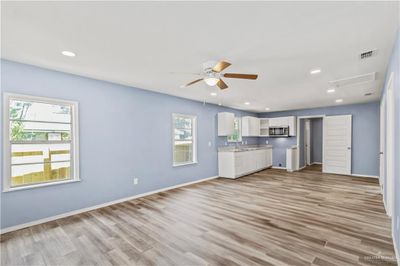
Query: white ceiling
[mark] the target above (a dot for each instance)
(140, 44)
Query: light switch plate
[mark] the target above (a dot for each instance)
(135, 181)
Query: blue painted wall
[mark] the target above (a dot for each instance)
(395, 69)
(316, 140)
(365, 137)
(124, 133)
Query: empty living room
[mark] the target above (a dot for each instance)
(200, 133)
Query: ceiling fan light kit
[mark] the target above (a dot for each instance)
(212, 74)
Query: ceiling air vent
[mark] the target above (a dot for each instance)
(370, 77)
(367, 54)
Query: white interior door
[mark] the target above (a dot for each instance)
(337, 144)
(389, 147)
(382, 144)
(307, 141)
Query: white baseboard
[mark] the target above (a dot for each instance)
(372, 176)
(63, 215)
(278, 167)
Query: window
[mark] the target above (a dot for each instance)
(41, 146)
(237, 134)
(184, 139)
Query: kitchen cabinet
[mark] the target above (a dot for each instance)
(292, 123)
(226, 123)
(287, 121)
(233, 164)
(264, 127)
(250, 126)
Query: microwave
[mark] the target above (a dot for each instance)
(279, 131)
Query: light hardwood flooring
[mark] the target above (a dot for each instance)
(269, 218)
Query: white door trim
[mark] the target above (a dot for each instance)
(298, 136)
(382, 145)
(307, 141)
(390, 142)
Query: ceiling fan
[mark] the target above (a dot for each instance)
(212, 75)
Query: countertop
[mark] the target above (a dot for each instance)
(242, 148)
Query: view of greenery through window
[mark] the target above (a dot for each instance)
(237, 134)
(40, 138)
(183, 139)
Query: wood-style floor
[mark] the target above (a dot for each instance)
(268, 218)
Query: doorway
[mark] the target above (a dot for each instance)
(309, 141)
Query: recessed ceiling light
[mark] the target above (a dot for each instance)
(68, 53)
(267, 109)
(213, 94)
(315, 71)
(339, 100)
(331, 91)
(247, 103)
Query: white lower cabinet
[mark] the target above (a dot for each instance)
(236, 164)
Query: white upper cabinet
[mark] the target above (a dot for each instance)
(287, 121)
(264, 127)
(250, 126)
(226, 123)
(292, 123)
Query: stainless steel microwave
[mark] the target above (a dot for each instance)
(279, 131)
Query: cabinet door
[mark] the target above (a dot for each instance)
(226, 123)
(245, 126)
(240, 163)
(292, 125)
(269, 158)
(255, 126)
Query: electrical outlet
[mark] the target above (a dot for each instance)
(266, 142)
(135, 181)
(209, 144)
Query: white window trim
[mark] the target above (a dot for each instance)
(7, 147)
(194, 138)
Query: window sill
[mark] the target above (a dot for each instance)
(183, 164)
(11, 189)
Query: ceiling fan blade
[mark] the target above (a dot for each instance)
(240, 76)
(221, 65)
(221, 84)
(193, 82)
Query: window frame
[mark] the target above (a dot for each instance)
(240, 139)
(194, 139)
(74, 161)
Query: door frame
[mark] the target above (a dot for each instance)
(307, 141)
(382, 146)
(390, 142)
(298, 136)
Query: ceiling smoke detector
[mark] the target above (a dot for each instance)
(367, 54)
